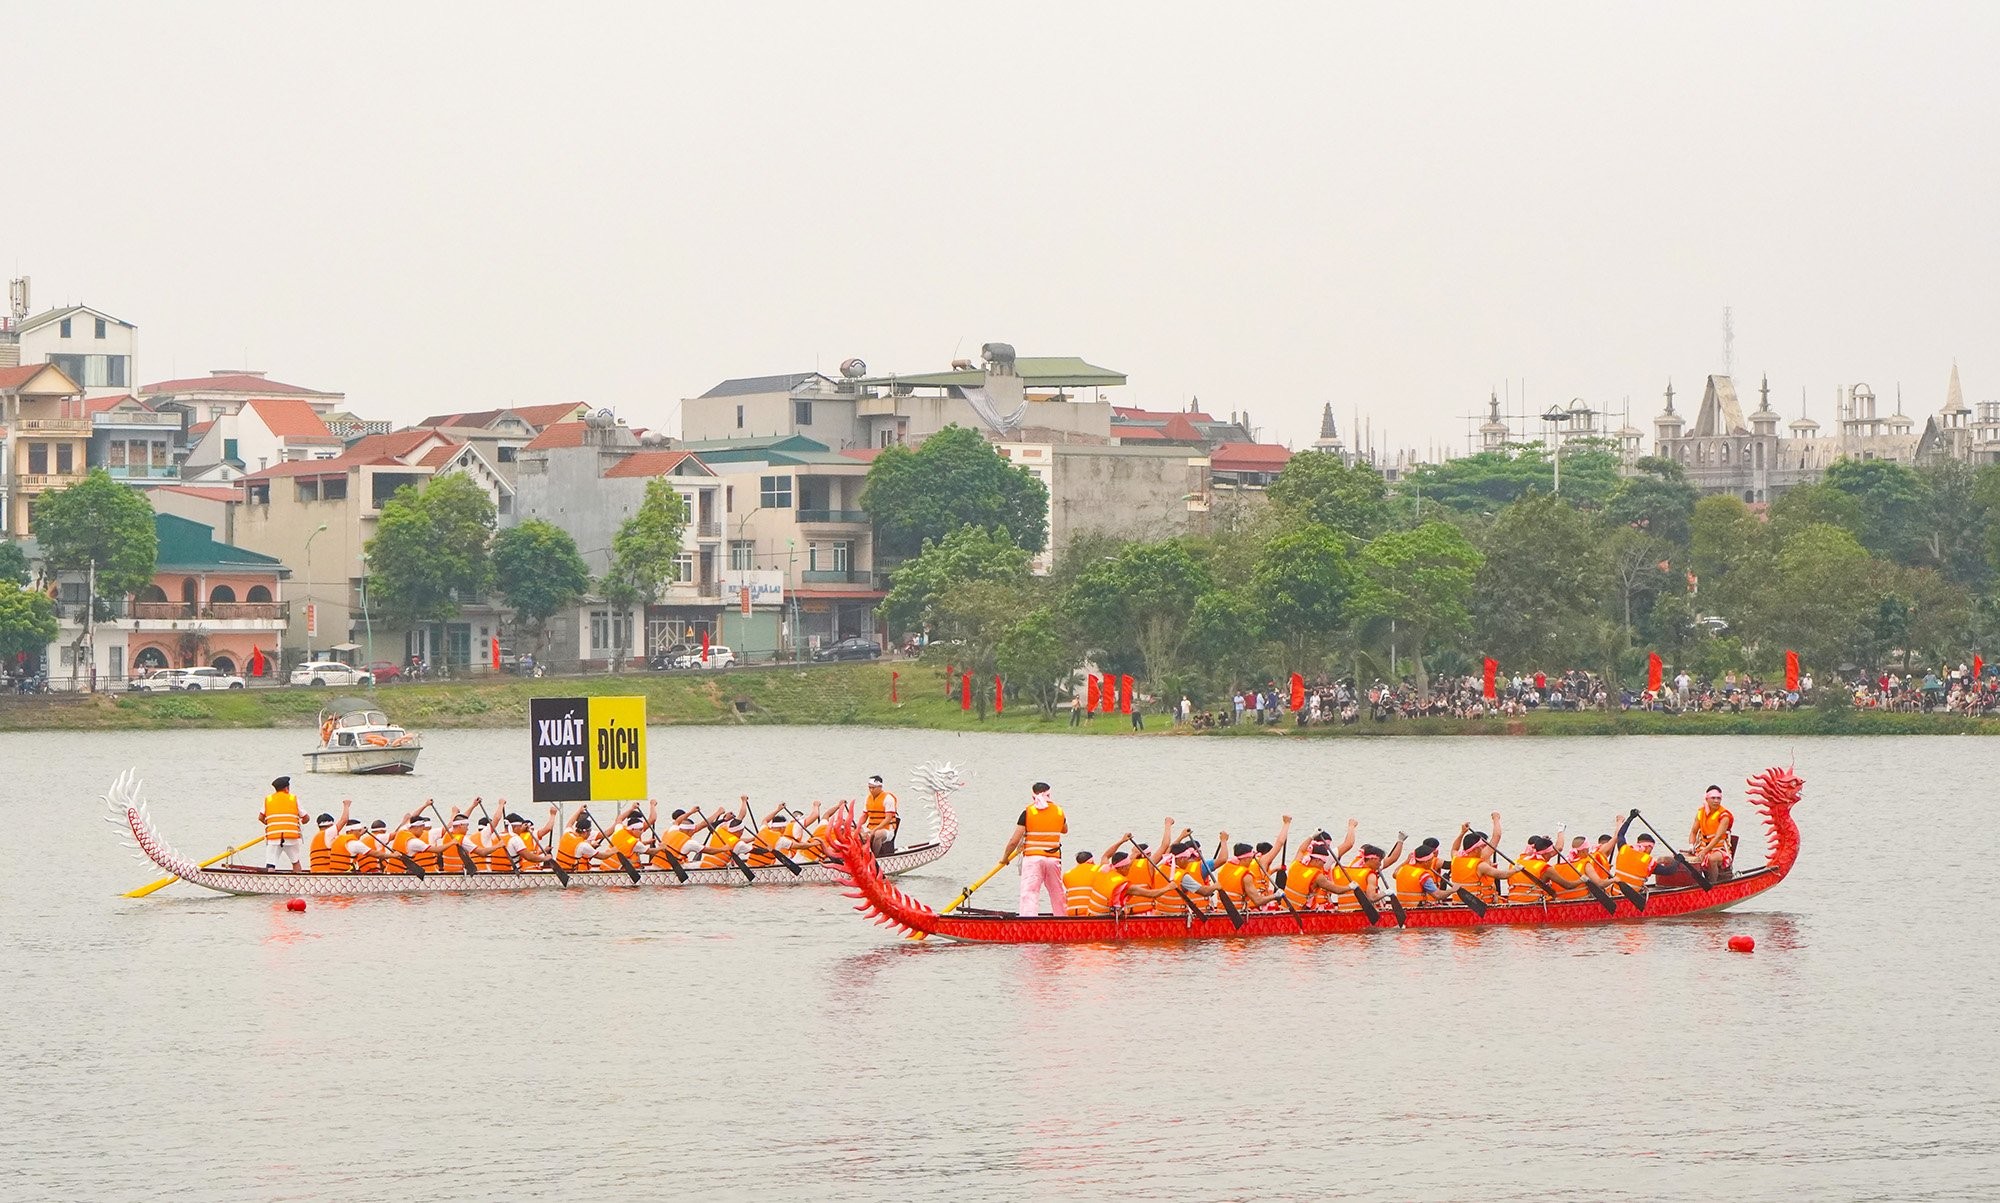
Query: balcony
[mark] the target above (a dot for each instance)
(837, 576)
(74, 427)
(264, 612)
(151, 420)
(707, 530)
(34, 482)
(827, 517)
(142, 472)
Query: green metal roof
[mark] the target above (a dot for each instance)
(187, 545)
(738, 451)
(1035, 371)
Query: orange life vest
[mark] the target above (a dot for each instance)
(1171, 903)
(1632, 866)
(370, 859)
(880, 810)
(447, 860)
(281, 816)
(720, 841)
(401, 842)
(1045, 831)
(1299, 880)
(1465, 873)
(1076, 888)
(319, 854)
(1523, 888)
(1104, 887)
(1567, 878)
(1143, 872)
(764, 853)
(492, 852)
(1353, 875)
(623, 839)
(1410, 881)
(566, 851)
(338, 858)
(1229, 878)
(1260, 875)
(1710, 826)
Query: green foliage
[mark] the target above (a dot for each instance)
(1421, 579)
(1541, 582)
(99, 521)
(429, 550)
(1137, 605)
(27, 621)
(1889, 500)
(647, 544)
(1325, 491)
(1302, 582)
(955, 479)
(13, 563)
(1957, 523)
(1226, 633)
(1662, 508)
(1036, 655)
(1824, 605)
(963, 556)
(1485, 482)
(537, 567)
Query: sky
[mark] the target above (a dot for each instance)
(1397, 209)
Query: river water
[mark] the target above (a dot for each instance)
(730, 1043)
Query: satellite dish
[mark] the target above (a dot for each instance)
(853, 369)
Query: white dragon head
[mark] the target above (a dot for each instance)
(938, 780)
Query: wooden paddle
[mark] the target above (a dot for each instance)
(1634, 896)
(555, 842)
(624, 861)
(1683, 861)
(673, 862)
(458, 846)
(1539, 880)
(164, 882)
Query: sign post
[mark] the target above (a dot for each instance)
(587, 749)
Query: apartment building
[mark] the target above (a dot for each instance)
(45, 431)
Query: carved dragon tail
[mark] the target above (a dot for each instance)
(1774, 792)
(880, 900)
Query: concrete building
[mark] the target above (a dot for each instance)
(263, 432)
(501, 434)
(93, 348)
(134, 442)
(1181, 428)
(45, 431)
(226, 391)
(209, 604)
(1126, 492)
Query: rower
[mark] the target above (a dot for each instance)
(1144, 874)
(320, 854)
(1418, 882)
(1570, 870)
(1307, 878)
(725, 831)
(1183, 871)
(1473, 868)
(1038, 834)
(1266, 854)
(1234, 878)
(374, 854)
(1369, 866)
(1531, 864)
(1634, 862)
(625, 839)
(281, 819)
(881, 817)
(457, 830)
(1709, 840)
(769, 839)
(1109, 891)
(574, 850)
(488, 847)
(1076, 885)
(675, 840)
(412, 838)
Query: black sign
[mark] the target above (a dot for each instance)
(559, 748)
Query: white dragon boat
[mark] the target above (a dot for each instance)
(934, 783)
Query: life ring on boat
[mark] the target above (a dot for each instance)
(380, 741)
(401, 740)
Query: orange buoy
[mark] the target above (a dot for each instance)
(1736, 943)
(299, 904)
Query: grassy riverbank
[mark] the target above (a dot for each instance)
(852, 694)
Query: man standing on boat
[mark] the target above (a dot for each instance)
(283, 839)
(1038, 837)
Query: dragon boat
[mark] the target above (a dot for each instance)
(1773, 792)
(128, 809)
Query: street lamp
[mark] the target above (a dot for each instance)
(1556, 416)
(314, 615)
(366, 623)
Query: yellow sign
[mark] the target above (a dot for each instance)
(588, 749)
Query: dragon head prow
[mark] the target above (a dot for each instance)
(1775, 787)
(938, 779)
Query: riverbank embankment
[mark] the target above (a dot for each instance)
(858, 694)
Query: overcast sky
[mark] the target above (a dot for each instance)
(1390, 208)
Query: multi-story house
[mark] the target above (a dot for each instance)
(502, 434)
(206, 398)
(265, 431)
(93, 348)
(45, 431)
(134, 442)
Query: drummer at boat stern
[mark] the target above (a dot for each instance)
(1038, 837)
(281, 819)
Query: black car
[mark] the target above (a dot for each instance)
(850, 649)
(664, 660)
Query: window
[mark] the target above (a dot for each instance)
(829, 557)
(739, 417)
(114, 371)
(114, 454)
(729, 499)
(229, 449)
(775, 492)
(610, 632)
(885, 437)
(63, 329)
(65, 458)
(308, 490)
(843, 556)
(507, 455)
(742, 555)
(38, 459)
(802, 413)
(684, 568)
(71, 366)
(100, 327)
(1725, 453)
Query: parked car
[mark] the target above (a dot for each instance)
(330, 672)
(718, 657)
(385, 671)
(857, 648)
(171, 680)
(666, 657)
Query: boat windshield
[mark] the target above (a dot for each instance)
(363, 718)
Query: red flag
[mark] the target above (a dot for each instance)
(999, 696)
(704, 645)
(1791, 669)
(1653, 669)
(1298, 692)
(1090, 693)
(1978, 667)
(496, 653)
(965, 692)
(1125, 695)
(1109, 693)
(894, 677)
(1492, 689)
(256, 661)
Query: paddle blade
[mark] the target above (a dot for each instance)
(1368, 910)
(142, 891)
(745, 869)
(1229, 908)
(1472, 901)
(1635, 897)
(631, 870)
(1396, 907)
(562, 875)
(465, 859)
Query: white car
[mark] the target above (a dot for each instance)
(330, 672)
(718, 657)
(171, 680)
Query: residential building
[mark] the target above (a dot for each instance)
(1141, 491)
(93, 348)
(318, 515)
(134, 442)
(349, 427)
(263, 432)
(1182, 428)
(1246, 468)
(589, 477)
(226, 391)
(501, 434)
(209, 604)
(45, 431)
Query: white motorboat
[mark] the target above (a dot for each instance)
(354, 737)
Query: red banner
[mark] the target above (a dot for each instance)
(1090, 693)
(1978, 668)
(1492, 687)
(894, 677)
(965, 692)
(1298, 692)
(496, 653)
(999, 696)
(1109, 693)
(704, 645)
(1791, 669)
(1653, 670)
(1125, 695)
(256, 661)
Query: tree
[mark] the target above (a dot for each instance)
(1422, 578)
(13, 563)
(1541, 581)
(1226, 631)
(1660, 507)
(27, 621)
(644, 554)
(974, 621)
(1957, 521)
(99, 522)
(537, 567)
(1302, 582)
(1825, 604)
(1037, 654)
(955, 479)
(1149, 588)
(1484, 482)
(430, 550)
(1639, 567)
(1890, 500)
(1730, 556)
(965, 555)
(1326, 491)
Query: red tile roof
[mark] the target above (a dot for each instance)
(399, 444)
(655, 462)
(562, 434)
(391, 449)
(865, 454)
(1137, 434)
(18, 376)
(201, 428)
(436, 456)
(292, 420)
(1249, 457)
(1158, 415)
(538, 416)
(226, 382)
(98, 405)
(1172, 426)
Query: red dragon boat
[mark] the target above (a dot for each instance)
(1773, 792)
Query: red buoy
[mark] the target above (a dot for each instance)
(299, 904)
(1736, 943)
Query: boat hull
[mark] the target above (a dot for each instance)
(364, 761)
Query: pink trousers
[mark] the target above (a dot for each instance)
(1040, 873)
